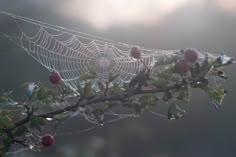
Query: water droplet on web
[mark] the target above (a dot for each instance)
(23, 113)
(82, 109)
(49, 118)
(31, 147)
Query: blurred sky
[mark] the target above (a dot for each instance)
(208, 25)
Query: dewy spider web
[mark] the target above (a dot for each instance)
(73, 53)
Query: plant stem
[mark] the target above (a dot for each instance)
(97, 99)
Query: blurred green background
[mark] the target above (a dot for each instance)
(208, 25)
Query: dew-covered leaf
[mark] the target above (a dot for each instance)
(7, 101)
(216, 96)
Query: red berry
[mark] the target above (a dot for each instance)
(182, 66)
(55, 77)
(191, 55)
(135, 53)
(47, 140)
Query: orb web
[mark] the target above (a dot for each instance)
(73, 53)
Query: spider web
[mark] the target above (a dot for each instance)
(73, 53)
(76, 55)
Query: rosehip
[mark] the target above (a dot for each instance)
(55, 77)
(182, 66)
(47, 140)
(191, 55)
(135, 53)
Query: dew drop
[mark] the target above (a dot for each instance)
(23, 113)
(31, 147)
(49, 118)
(82, 109)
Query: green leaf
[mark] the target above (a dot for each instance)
(3, 99)
(217, 96)
(22, 130)
(5, 122)
(6, 119)
(167, 73)
(62, 117)
(149, 99)
(42, 92)
(7, 101)
(87, 76)
(37, 122)
(117, 90)
(88, 90)
(112, 77)
(208, 67)
(5, 146)
(219, 71)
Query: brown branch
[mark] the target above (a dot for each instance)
(97, 99)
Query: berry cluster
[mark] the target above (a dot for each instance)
(184, 65)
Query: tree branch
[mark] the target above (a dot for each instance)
(97, 99)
